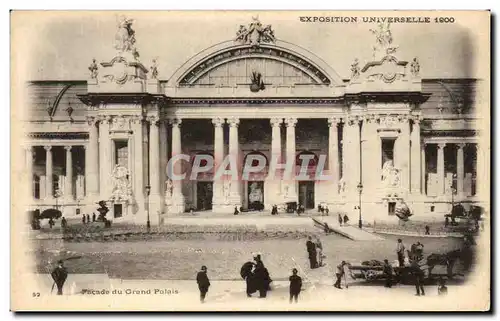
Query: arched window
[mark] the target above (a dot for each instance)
(312, 162)
(203, 161)
(255, 162)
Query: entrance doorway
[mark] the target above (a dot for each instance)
(256, 195)
(306, 194)
(204, 193)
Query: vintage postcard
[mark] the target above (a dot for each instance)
(250, 161)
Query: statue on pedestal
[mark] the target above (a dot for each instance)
(93, 69)
(125, 37)
(122, 190)
(355, 70)
(255, 34)
(383, 40)
(390, 175)
(415, 67)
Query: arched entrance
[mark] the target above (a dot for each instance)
(306, 187)
(204, 186)
(254, 186)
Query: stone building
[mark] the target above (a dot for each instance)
(388, 135)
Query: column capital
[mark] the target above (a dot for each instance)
(91, 120)
(233, 121)
(441, 145)
(276, 122)
(137, 119)
(176, 122)
(153, 119)
(218, 121)
(371, 118)
(68, 147)
(291, 122)
(47, 147)
(403, 118)
(353, 120)
(28, 148)
(461, 145)
(333, 121)
(105, 119)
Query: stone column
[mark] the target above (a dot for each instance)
(138, 169)
(154, 170)
(178, 205)
(482, 171)
(218, 197)
(440, 168)
(460, 169)
(273, 187)
(403, 150)
(235, 195)
(423, 172)
(49, 193)
(290, 183)
(68, 186)
(333, 153)
(92, 162)
(29, 173)
(105, 183)
(415, 157)
(353, 166)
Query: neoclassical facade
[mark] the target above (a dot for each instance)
(385, 129)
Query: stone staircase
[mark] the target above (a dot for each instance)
(352, 232)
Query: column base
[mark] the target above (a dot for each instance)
(175, 206)
(154, 209)
(223, 208)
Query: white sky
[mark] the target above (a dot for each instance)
(61, 45)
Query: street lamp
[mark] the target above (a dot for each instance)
(360, 190)
(148, 223)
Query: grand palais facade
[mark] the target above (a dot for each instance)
(388, 135)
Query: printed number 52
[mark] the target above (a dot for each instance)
(36, 294)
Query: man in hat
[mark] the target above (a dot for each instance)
(312, 253)
(295, 286)
(388, 273)
(203, 283)
(400, 251)
(339, 273)
(59, 275)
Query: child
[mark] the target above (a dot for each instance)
(442, 289)
(295, 286)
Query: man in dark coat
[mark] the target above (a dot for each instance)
(203, 283)
(400, 252)
(311, 251)
(295, 286)
(93, 217)
(262, 279)
(418, 275)
(388, 273)
(59, 275)
(84, 218)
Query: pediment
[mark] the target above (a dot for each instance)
(235, 65)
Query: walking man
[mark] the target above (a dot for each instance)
(295, 286)
(203, 283)
(311, 251)
(400, 251)
(418, 275)
(59, 275)
(339, 274)
(340, 220)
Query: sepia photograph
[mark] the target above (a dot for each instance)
(250, 161)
